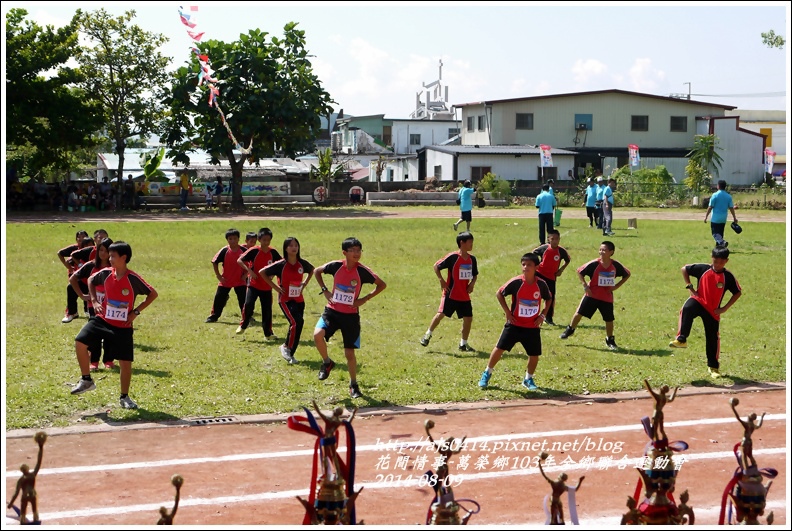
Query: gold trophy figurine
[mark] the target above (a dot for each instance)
(746, 491)
(165, 518)
(26, 485)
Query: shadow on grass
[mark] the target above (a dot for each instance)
(146, 348)
(732, 383)
(137, 415)
(629, 351)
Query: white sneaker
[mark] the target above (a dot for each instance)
(69, 318)
(240, 330)
(286, 353)
(83, 386)
(127, 403)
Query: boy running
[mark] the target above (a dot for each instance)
(290, 272)
(342, 310)
(598, 294)
(252, 261)
(550, 267)
(705, 302)
(456, 287)
(232, 277)
(113, 323)
(523, 318)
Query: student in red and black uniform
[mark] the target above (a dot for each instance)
(113, 322)
(233, 277)
(456, 287)
(524, 316)
(598, 294)
(293, 274)
(88, 253)
(79, 280)
(705, 302)
(550, 267)
(343, 302)
(71, 295)
(252, 261)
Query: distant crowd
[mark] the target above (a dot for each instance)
(35, 194)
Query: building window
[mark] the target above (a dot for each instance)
(438, 172)
(478, 172)
(415, 140)
(679, 124)
(768, 132)
(639, 123)
(481, 123)
(452, 132)
(524, 120)
(584, 122)
(471, 125)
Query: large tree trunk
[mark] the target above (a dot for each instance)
(120, 145)
(237, 203)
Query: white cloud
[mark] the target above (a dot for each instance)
(643, 77)
(585, 70)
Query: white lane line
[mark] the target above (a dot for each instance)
(264, 496)
(383, 446)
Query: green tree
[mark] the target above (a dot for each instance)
(47, 115)
(326, 169)
(698, 179)
(771, 40)
(705, 154)
(271, 98)
(124, 74)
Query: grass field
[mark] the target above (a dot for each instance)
(186, 368)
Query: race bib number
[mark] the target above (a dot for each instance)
(116, 310)
(527, 308)
(466, 272)
(607, 279)
(342, 296)
(295, 290)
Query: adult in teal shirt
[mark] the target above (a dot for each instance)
(546, 203)
(591, 202)
(719, 204)
(465, 201)
(600, 193)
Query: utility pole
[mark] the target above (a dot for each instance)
(688, 84)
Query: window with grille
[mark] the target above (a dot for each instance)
(639, 123)
(679, 124)
(524, 120)
(471, 123)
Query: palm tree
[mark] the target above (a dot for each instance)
(704, 153)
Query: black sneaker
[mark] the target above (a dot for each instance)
(354, 391)
(466, 348)
(550, 322)
(211, 319)
(610, 342)
(324, 372)
(568, 331)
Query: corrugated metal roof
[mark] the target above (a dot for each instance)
(498, 150)
(594, 92)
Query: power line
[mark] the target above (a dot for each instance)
(750, 95)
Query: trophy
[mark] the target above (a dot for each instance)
(26, 486)
(331, 499)
(555, 514)
(745, 492)
(658, 473)
(165, 518)
(444, 509)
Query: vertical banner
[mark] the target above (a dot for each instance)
(545, 157)
(769, 161)
(635, 157)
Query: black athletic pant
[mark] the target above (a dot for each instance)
(72, 297)
(690, 310)
(545, 224)
(265, 297)
(591, 212)
(221, 298)
(551, 284)
(293, 311)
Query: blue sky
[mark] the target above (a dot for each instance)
(373, 58)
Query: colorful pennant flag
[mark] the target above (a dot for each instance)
(635, 156)
(769, 160)
(546, 156)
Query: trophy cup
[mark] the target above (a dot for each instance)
(26, 486)
(658, 473)
(332, 496)
(555, 514)
(165, 518)
(444, 509)
(746, 492)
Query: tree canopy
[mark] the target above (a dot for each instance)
(48, 117)
(271, 99)
(704, 153)
(125, 74)
(771, 40)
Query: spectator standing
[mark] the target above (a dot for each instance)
(720, 204)
(465, 202)
(546, 203)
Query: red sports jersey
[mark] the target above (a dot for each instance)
(526, 299)
(290, 277)
(602, 277)
(66, 253)
(551, 260)
(712, 286)
(82, 256)
(120, 294)
(257, 259)
(85, 271)
(460, 272)
(346, 284)
(233, 274)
